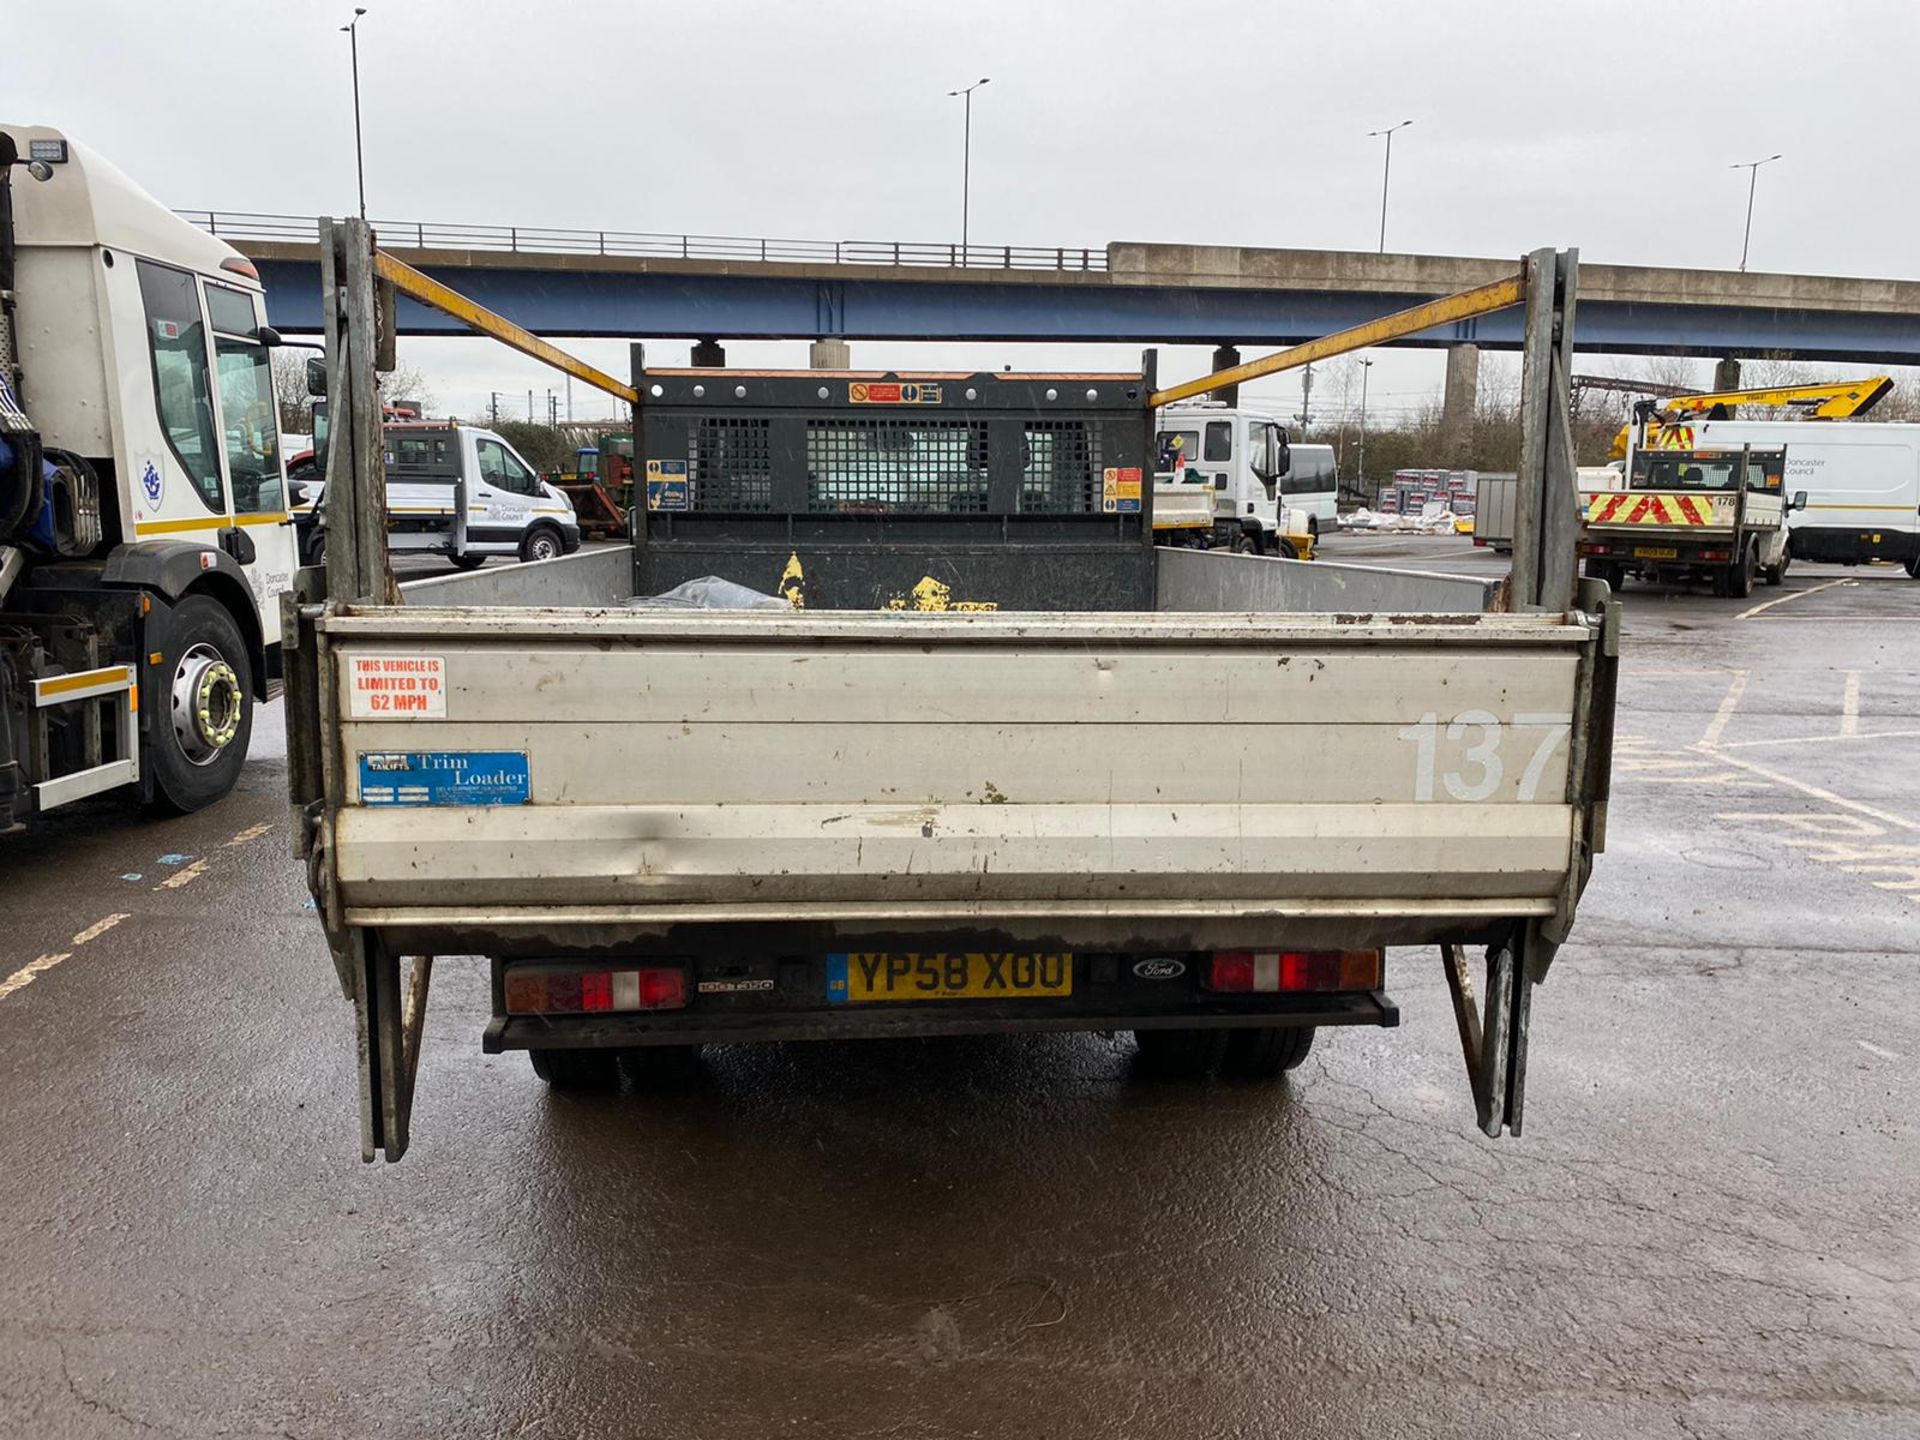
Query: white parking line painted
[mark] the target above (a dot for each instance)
(34, 969)
(1873, 1049)
(1717, 726)
(1820, 739)
(1850, 704)
(1783, 599)
(1899, 821)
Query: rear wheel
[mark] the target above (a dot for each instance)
(1740, 574)
(1913, 567)
(1777, 574)
(1181, 1054)
(1283, 547)
(543, 542)
(577, 1069)
(1313, 526)
(1264, 1053)
(199, 740)
(1612, 572)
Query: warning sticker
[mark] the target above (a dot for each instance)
(888, 392)
(667, 487)
(386, 686)
(1120, 490)
(445, 777)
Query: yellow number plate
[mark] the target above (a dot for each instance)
(1645, 552)
(858, 977)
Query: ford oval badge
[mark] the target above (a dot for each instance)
(1159, 969)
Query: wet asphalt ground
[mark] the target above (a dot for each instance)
(1710, 1228)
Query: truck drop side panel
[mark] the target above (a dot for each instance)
(1093, 781)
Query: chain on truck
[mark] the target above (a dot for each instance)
(973, 755)
(144, 532)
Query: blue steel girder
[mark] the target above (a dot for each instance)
(736, 307)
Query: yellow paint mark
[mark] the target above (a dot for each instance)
(793, 583)
(1783, 599)
(252, 832)
(184, 876)
(34, 969)
(97, 929)
(30, 972)
(1717, 726)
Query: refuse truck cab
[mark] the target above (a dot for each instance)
(144, 529)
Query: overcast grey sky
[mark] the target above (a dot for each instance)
(1610, 126)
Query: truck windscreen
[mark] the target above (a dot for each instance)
(1691, 470)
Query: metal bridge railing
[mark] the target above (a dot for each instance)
(531, 240)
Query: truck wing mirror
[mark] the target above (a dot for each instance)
(1799, 501)
(316, 376)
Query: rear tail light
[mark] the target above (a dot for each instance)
(585, 992)
(1280, 972)
(1716, 554)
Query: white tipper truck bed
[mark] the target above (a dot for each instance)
(1200, 806)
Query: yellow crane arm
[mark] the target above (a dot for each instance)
(428, 291)
(1832, 400)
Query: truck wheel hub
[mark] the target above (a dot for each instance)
(207, 704)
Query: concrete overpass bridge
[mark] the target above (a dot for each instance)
(715, 288)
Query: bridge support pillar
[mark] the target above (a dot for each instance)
(1459, 396)
(829, 355)
(1223, 357)
(1726, 373)
(709, 355)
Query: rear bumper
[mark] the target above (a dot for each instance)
(691, 1027)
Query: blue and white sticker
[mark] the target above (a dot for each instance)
(152, 480)
(445, 777)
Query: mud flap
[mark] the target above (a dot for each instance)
(1495, 1044)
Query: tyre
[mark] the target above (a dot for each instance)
(1313, 526)
(660, 1067)
(542, 542)
(1181, 1054)
(467, 562)
(577, 1069)
(1247, 542)
(313, 547)
(1612, 572)
(205, 698)
(1740, 574)
(1913, 567)
(1266, 1052)
(1777, 574)
(1283, 547)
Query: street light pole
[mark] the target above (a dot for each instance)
(1366, 371)
(966, 160)
(1386, 174)
(359, 155)
(1752, 167)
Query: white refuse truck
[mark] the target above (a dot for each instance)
(977, 757)
(144, 531)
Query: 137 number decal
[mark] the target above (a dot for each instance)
(1482, 768)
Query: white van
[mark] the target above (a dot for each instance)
(1240, 454)
(1862, 481)
(509, 509)
(1311, 485)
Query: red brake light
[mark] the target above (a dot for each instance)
(1265, 972)
(545, 991)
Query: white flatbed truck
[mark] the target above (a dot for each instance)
(1162, 796)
